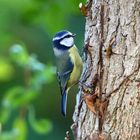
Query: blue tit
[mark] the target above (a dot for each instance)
(69, 64)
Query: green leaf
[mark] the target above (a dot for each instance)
(17, 97)
(4, 114)
(42, 126)
(6, 70)
(19, 54)
(34, 64)
(42, 77)
(20, 127)
(25, 98)
(8, 135)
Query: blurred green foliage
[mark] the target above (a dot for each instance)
(19, 97)
(29, 95)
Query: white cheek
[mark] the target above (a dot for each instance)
(67, 42)
(57, 52)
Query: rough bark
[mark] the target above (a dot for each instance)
(111, 74)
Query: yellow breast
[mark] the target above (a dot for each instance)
(78, 66)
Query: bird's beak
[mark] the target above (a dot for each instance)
(73, 35)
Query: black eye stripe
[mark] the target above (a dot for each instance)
(68, 36)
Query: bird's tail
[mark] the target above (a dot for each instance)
(64, 103)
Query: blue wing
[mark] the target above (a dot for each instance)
(63, 74)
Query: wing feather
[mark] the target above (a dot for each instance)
(63, 72)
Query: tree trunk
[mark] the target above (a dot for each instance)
(108, 103)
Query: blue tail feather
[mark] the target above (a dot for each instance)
(64, 103)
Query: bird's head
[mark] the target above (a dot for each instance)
(63, 40)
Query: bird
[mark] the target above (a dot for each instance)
(68, 62)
